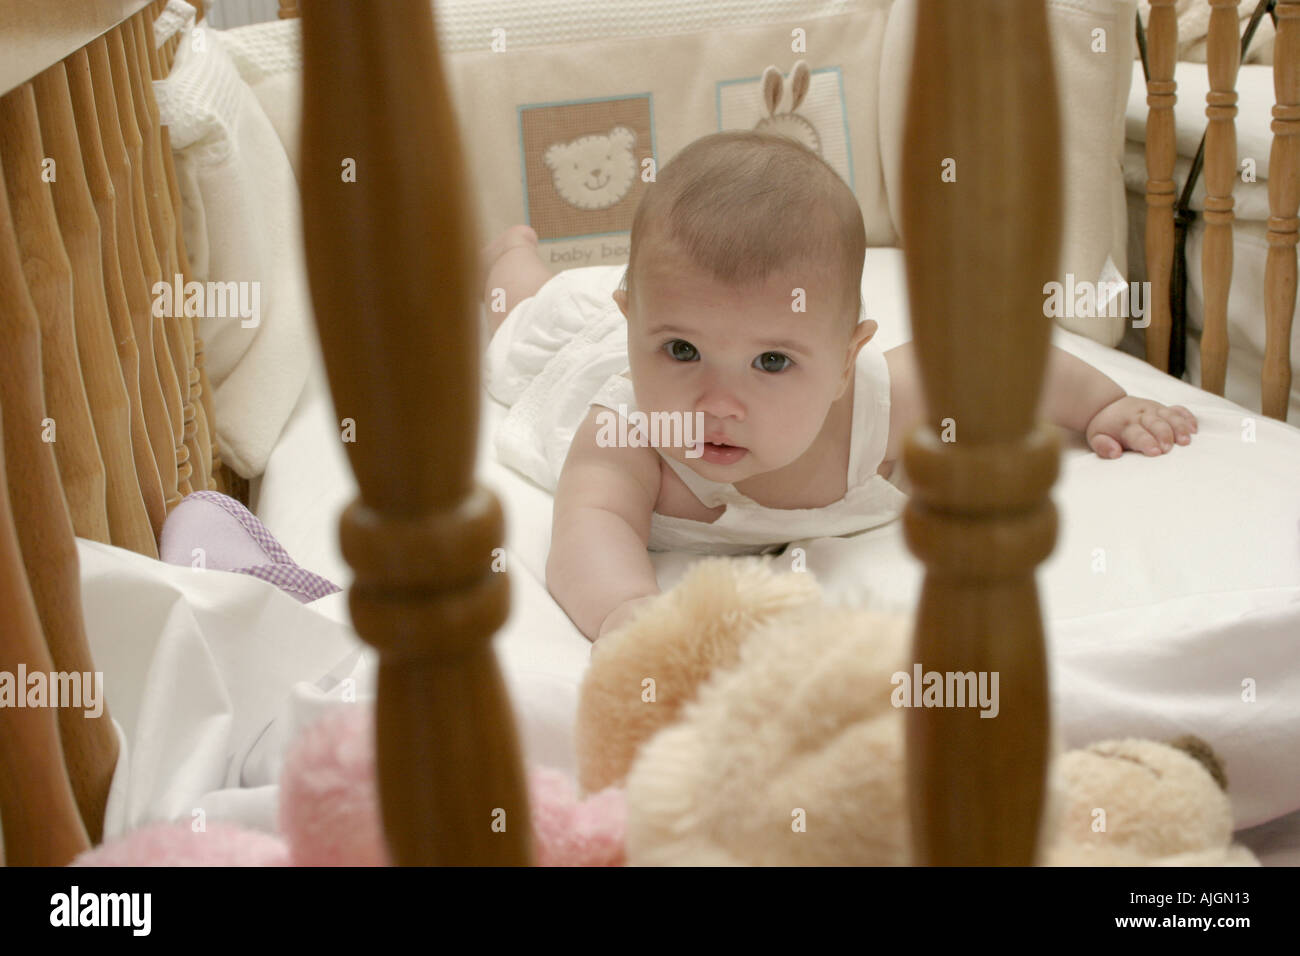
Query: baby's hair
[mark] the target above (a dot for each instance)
(741, 205)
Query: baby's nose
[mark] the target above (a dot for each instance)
(721, 402)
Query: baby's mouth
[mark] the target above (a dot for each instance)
(719, 453)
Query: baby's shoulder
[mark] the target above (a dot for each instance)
(604, 470)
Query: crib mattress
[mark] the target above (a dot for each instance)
(1171, 602)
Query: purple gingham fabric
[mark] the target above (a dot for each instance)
(283, 571)
(301, 583)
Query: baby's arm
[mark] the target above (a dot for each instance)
(600, 528)
(1075, 396)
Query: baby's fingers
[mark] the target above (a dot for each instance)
(1160, 428)
(1136, 436)
(1105, 446)
(1178, 422)
(1179, 416)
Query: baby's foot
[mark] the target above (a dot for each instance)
(520, 235)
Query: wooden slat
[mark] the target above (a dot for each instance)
(162, 230)
(45, 536)
(181, 325)
(1223, 56)
(39, 33)
(289, 9)
(121, 168)
(1283, 200)
(200, 390)
(42, 826)
(100, 371)
(392, 260)
(980, 517)
(49, 280)
(1162, 50)
(106, 208)
(148, 253)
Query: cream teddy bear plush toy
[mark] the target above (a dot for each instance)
(751, 724)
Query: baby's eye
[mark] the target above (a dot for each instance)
(773, 362)
(682, 351)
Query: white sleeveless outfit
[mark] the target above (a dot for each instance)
(565, 349)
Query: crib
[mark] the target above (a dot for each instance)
(127, 392)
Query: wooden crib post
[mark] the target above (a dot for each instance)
(71, 430)
(106, 208)
(168, 378)
(200, 389)
(162, 230)
(100, 370)
(392, 259)
(1283, 203)
(1223, 56)
(42, 826)
(136, 287)
(197, 437)
(979, 248)
(1162, 51)
(45, 534)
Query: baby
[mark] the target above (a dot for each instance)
(742, 304)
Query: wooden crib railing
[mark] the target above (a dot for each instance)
(1223, 55)
(392, 260)
(106, 411)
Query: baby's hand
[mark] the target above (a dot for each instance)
(1139, 424)
(622, 614)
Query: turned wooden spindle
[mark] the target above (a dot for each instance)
(104, 198)
(204, 446)
(182, 324)
(391, 260)
(1162, 50)
(49, 279)
(289, 9)
(140, 166)
(1223, 56)
(121, 168)
(102, 375)
(162, 225)
(45, 530)
(38, 813)
(980, 517)
(1283, 203)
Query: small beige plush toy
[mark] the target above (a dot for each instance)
(1141, 803)
(649, 668)
(753, 725)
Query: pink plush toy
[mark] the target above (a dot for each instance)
(329, 815)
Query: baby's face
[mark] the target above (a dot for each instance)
(763, 375)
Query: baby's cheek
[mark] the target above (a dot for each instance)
(794, 424)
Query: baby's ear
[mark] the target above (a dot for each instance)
(862, 334)
(620, 298)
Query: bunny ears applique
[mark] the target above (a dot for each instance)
(790, 123)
